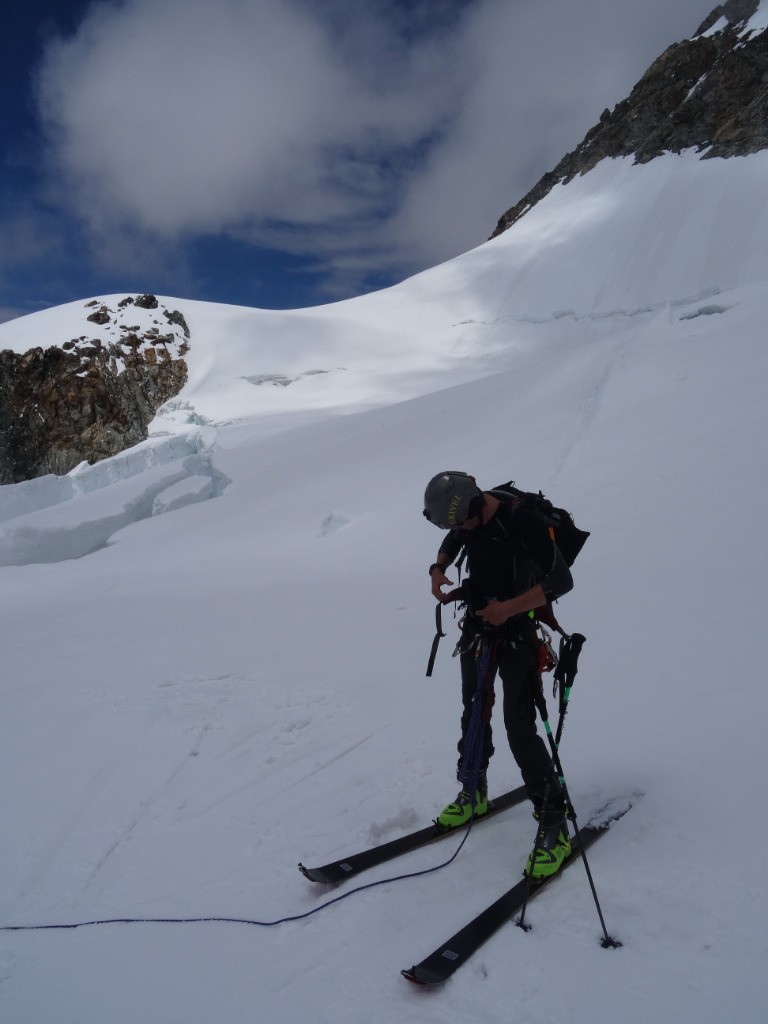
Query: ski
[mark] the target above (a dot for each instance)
(349, 867)
(447, 958)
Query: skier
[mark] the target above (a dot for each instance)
(515, 567)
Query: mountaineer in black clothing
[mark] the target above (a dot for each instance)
(515, 567)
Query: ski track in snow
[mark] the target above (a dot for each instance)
(144, 808)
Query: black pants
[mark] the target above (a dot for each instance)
(515, 663)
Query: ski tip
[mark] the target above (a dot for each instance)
(307, 872)
(410, 975)
(425, 976)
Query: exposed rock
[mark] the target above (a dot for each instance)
(279, 379)
(102, 317)
(708, 93)
(90, 397)
(177, 318)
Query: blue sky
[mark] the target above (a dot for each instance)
(284, 153)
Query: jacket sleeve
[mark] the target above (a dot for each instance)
(452, 544)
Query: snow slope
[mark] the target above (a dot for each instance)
(214, 645)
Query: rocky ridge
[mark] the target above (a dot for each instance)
(708, 93)
(92, 396)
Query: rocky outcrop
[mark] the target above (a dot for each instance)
(92, 396)
(708, 93)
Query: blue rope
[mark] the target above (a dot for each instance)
(472, 753)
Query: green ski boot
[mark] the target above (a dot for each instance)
(549, 856)
(460, 811)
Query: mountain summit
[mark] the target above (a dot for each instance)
(708, 93)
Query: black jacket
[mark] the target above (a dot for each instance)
(510, 554)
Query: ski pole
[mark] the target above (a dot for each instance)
(555, 770)
(570, 648)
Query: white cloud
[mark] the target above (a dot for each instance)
(542, 74)
(331, 129)
(189, 115)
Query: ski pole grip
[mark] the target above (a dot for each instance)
(577, 642)
(570, 649)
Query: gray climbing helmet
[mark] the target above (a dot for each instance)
(449, 497)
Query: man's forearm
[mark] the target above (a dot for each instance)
(533, 598)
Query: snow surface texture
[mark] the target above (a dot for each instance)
(197, 694)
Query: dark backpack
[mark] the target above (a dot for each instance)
(565, 533)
